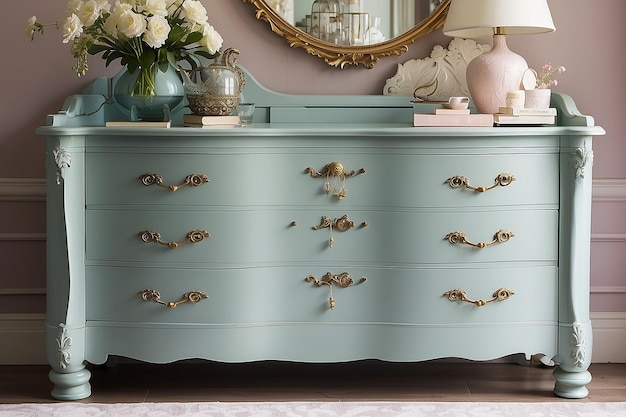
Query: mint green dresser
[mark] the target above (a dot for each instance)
(332, 230)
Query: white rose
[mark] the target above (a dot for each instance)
(211, 39)
(195, 12)
(104, 6)
(72, 28)
(73, 6)
(110, 25)
(157, 31)
(155, 7)
(172, 3)
(88, 12)
(131, 24)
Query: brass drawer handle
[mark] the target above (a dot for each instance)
(501, 294)
(501, 236)
(191, 297)
(195, 236)
(341, 224)
(338, 174)
(342, 280)
(460, 181)
(194, 180)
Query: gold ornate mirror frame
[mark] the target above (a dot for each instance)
(341, 55)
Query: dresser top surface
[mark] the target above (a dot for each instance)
(281, 115)
(325, 129)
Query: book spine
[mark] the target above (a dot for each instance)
(452, 111)
(452, 120)
(527, 112)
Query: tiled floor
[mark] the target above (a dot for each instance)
(276, 381)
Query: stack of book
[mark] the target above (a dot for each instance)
(140, 123)
(525, 116)
(452, 117)
(193, 120)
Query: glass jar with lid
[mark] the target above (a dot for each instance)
(324, 16)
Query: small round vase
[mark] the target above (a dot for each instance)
(149, 94)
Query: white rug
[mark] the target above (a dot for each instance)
(318, 409)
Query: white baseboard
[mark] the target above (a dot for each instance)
(609, 337)
(23, 337)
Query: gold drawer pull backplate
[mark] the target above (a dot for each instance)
(337, 173)
(189, 297)
(460, 181)
(194, 180)
(501, 236)
(501, 294)
(195, 236)
(341, 224)
(342, 280)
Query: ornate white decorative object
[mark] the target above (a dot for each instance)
(64, 342)
(580, 345)
(580, 159)
(63, 159)
(439, 76)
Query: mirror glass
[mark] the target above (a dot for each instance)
(354, 22)
(352, 32)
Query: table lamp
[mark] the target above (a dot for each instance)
(491, 75)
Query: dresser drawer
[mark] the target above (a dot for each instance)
(283, 295)
(254, 236)
(392, 178)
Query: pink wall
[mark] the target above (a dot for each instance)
(589, 41)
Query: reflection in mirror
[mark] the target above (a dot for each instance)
(354, 22)
(352, 32)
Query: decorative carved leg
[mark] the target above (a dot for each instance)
(574, 359)
(571, 384)
(70, 386)
(68, 374)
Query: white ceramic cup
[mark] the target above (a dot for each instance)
(458, 103)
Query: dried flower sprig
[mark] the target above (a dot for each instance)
(544, 78)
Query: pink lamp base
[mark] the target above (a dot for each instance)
(491, 75)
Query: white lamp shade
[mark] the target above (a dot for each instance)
(478, 18)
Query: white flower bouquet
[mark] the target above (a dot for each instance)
(145, 35)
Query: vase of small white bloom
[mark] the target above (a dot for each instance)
(149, 37)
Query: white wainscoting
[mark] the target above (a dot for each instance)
(23, 333)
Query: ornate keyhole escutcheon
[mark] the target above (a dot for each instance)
(341, 224)
(342, 280)
(335, 175)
